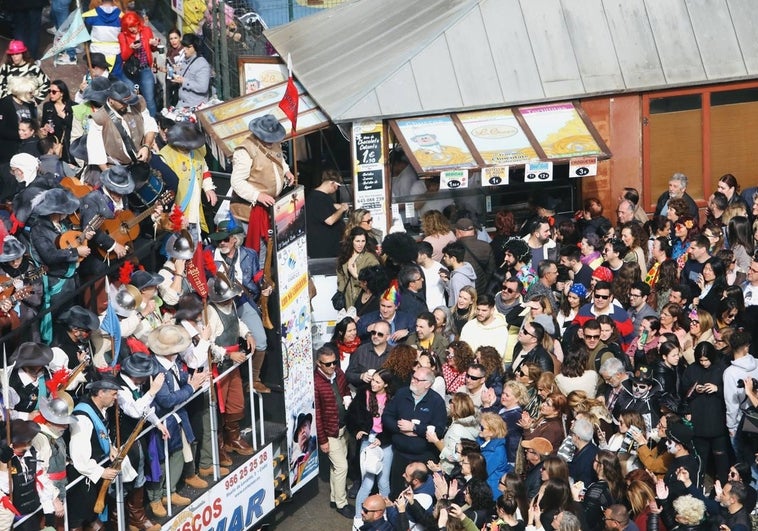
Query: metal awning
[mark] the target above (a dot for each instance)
(499, 137)
(395, 58)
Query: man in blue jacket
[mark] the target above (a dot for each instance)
(408, 416)
(401, 323)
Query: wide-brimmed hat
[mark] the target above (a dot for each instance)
(23, 431)
(105, 383)
(98, 88)
(143, 280)
(98, 60)
(220, 289)
(55, 201)
(267, 128)
(31, 354)
(12, 249)
(16, 46)
(185, 135)
(539, 444)
(225, 229)
(643, 375)
(180, 246)
(302, 418)
(680, 433)
(56, 410)
(139, 365)
(125, 299)
(167, 340)
(78, 148)
(123, 93)
(188, 307)
(118, 179)
(78, 317)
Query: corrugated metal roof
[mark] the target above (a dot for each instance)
(390, 58)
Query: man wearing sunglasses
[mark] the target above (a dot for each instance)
(372, 514)
(331, 389)
(474, 387)
(370, 356)
(603, 304)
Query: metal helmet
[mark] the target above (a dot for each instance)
(220, 289)
(126, 300)
(180, 246)
(58, 410)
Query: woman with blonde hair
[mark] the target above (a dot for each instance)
(514, 398)
(464, 425)
(464, 309)
(701, 330)
(360, 217)
(437, 231)
(640, 496)
(491, 439)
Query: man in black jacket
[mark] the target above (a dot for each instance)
(530, 350)
(677, 188)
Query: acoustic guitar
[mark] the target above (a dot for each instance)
(8, 284)
(71, 239)
(124, 228)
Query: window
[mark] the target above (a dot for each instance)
(703, 133)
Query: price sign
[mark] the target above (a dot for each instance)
(454, 179)
(368, 147)
(495, 176)
(583, 167)
(538, 172)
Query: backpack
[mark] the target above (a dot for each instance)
(616, 351)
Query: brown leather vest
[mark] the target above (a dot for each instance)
(114, 146)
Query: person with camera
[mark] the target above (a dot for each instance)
(324, 221)
(743, 366)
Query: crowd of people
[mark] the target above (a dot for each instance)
(118, 290)
(568, 373)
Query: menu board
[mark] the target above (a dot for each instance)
(368, 170)
(560, 130)
(498, 136)
(436, 143)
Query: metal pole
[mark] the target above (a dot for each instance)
(252, 400)
(214, 433)
(168, 478)
(120, 503)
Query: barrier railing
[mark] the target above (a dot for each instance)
(119, 487)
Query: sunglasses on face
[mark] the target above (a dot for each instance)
(472, 377)
(510, 290)
(328, 363)
(603, 297)
(378, 334)
(591, 337)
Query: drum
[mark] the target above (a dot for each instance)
(145, 194)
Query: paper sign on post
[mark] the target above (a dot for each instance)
(495, 176)
(538, 171)
(583, 167)
(454, 179)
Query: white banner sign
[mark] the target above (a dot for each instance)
(238, 501)
(454, 179)
(495, 176)
(583, 167)
(538, 172)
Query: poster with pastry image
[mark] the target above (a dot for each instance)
(561, 131)
(497, 136)
(436, 143)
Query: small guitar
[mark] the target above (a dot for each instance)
(71, 239)
(124, 228)
(7, 284)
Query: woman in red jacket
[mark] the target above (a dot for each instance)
(137, 43)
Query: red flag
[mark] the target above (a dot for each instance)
(290, 102)
(195, 270)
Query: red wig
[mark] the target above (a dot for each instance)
(131, 19)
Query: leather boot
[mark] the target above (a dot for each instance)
(135, 505)
(258, 357)
(233, 440)
(224, 459)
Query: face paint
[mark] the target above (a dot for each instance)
(671, 447)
